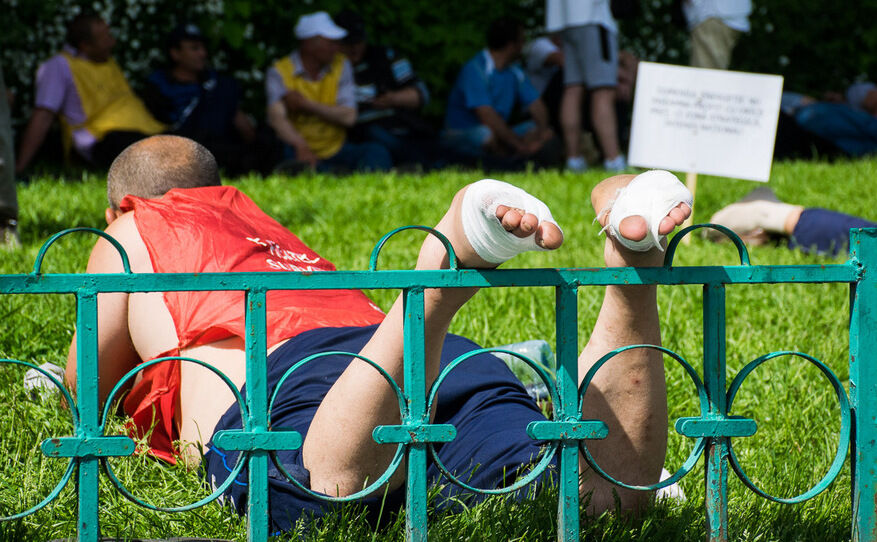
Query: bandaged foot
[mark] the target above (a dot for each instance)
(758, 210)
(498, 221)
(651, 195)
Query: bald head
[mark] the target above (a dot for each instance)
(153, 166)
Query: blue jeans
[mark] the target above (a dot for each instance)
(368, 156)
(853, 131)
(821, 231)
(470, 141)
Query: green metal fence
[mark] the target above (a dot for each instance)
(713, 430)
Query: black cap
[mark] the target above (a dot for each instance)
(352, 22)
(185, 31)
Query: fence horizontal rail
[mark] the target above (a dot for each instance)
(70, 283)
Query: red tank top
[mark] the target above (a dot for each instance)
(219, 229)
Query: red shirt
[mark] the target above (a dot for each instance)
(219, 229)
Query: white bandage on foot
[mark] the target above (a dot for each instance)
(651, 195)
(484, 230)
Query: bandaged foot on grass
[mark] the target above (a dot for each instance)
(490, 222)
(639, 211)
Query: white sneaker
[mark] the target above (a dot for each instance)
(673, 491)
(576, 164)
(619, 163)
(9, 239)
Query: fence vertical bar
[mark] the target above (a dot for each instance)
(567, 387)
(257, 413)
(863, 384)
(415, 393)
(714, 379)
(88, 405)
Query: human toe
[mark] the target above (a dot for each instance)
(633, 227)
(549, 236)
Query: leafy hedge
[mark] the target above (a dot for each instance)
(815, 44)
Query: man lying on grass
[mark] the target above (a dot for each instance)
(170, 213)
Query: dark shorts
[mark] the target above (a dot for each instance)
(481, 398)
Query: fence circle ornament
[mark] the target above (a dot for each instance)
(71, 466)
(742, 251)
(452, 256)
(219, 490)
(38, 263)
(843, 439)
(400, 449)
(699, 443)
(537, 469)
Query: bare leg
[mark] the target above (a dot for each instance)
(360, 399)
(571, 119)
(629, 392)
(604, 121)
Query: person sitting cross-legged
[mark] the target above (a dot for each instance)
(170, 213)
(311, 97)
(490, 86)
(85, 87)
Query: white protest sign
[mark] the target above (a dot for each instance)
(705, 121)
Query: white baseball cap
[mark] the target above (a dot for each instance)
(318, 24)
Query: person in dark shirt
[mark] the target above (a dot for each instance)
(389, 97)
(199, 103)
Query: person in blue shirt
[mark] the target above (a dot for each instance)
(481, 103)
(199, 103)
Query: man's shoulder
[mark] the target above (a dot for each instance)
(475, 66)
(54, 64)
(283, 60)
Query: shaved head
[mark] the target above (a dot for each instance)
(153, 166)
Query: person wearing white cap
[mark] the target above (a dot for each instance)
(312, 101)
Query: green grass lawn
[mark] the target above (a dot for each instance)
(342, 218)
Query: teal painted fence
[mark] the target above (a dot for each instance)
(713, 430)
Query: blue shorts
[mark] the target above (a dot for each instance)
(481, 398)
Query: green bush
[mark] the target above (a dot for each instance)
(815, 44)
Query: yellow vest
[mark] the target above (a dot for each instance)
(107, 100)
(324, 138)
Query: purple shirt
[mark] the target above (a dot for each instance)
(275, 88)
(56, 91)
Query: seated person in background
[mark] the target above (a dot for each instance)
(760, 217)
(165, 197)
(201, 104)
(849, 126)
(389, 97)
(484, 96)
(100, 113)
(862, 96)
(312, 102)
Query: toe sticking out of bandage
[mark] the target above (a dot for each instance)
(484, 230)
(651, 195)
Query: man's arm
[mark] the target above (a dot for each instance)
(539, 113)
(116, 353)
(279, 121)
(34, 134)
(403, 98)
(501, 131)
(341, 115)
(244, 126)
